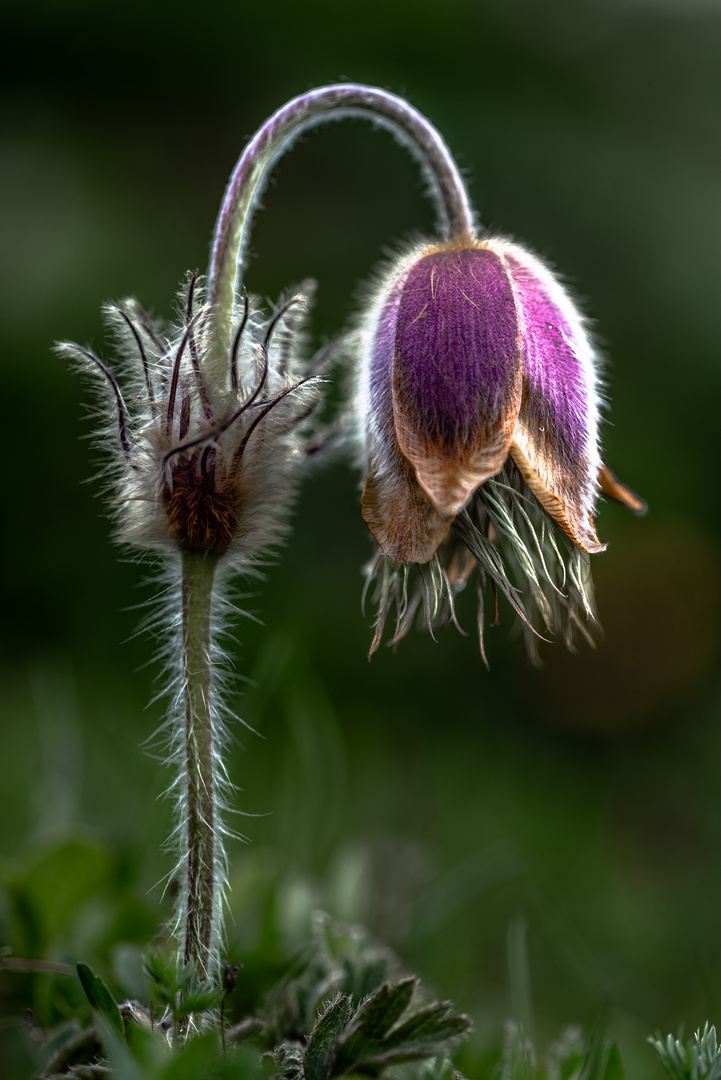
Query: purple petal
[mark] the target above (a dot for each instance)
(406, 526)
(456, 382)
(555, 444)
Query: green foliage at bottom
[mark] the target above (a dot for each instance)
(344, 1009)
(696, 1059)
(339, 1006)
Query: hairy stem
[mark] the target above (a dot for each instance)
(276, 135)
(201, 900)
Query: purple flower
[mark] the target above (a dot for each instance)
(480, 392)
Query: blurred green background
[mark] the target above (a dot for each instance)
(419, 794)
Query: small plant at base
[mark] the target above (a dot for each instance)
(180, 991)
(696, 1059)
(350, 1011)
(346, 1010)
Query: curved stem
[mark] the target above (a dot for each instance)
(201, 901)
(276, 135)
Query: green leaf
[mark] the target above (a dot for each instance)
(162, 974)
(328, 1029)
(432, 1024)
(614, 1066)
(693, 1060)
(380, 1012)
(100, 998)
(199, 1001)
(372, 1045)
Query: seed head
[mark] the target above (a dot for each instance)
(206, 464)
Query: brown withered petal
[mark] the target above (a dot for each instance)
(407, 527)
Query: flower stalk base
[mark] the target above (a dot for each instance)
(201, 901)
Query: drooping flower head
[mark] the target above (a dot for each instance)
(480, 388)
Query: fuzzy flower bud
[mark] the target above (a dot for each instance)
(205, 465)
(477, 365)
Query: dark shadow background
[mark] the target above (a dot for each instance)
(419, 794)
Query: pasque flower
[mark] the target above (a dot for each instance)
(204, 465)
(480, 388)
(204, 419)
